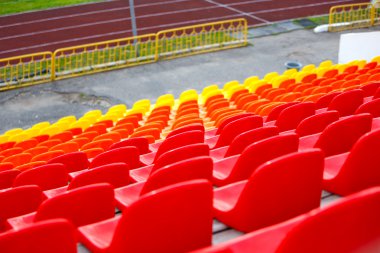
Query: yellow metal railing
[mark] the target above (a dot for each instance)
(25, 70)
(376, 14)
(97, 57)
(352, 16)
(203, 38)
(107, 55)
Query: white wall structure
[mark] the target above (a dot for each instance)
(359, 46)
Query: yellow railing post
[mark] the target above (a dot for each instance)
(52, 72)
(112, 54)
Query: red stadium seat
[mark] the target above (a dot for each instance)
(139, 142)
(172, 156)
(278, 190)
(240, 167)
(47, 176)
(74, 161)
(181, 212)
(7, 177)
(339, 136)
(18, 201)
(316, 123)
(128, 155)
(189, 169)
(291, 116)
(350, 225)
(81, 206)
(55, 235)
(355, 170)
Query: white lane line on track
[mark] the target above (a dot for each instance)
(111, 10)
(236, 10)
(160, 26)
(300, 6)
(114, 33)
(118, 20)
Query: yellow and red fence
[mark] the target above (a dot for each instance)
(85, 59)
(353, 16)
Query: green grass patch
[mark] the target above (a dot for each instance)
(311, 22)
(320, 20)
(17, 6)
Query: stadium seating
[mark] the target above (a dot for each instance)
(253, 156)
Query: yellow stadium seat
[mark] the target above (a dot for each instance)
(142, 103)
(230, 84)
(62, 125)
(93, 113)
(253, 87)
(234, 89)
(268, 77)
(163, 102)
(188, 98)
(113, 117)
(326, 64)
(32, 132)
(3, 138)
(13, 131)
(41, 125)
(300, 75)
(119, 108)
(290, 72)
(51, 130)
(19, 137)
(68, 119)
(308, 68)
(165, 97)
(82, 123)
(278, 80)
(250, 79)
(118, 114)
(136, 110)
(376, 59)
(91, 119)
(209, 88)
(188, 92)
(321, 71)
(210, 94)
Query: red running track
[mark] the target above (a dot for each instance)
(51, 29)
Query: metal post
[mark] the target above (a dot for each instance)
(133, 17)
(133, 21)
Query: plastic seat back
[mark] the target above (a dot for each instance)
(353, 224)
(73, 161)
(181, 212)
(231, 119)
(129, 155)
(179, 140)
(7, 177)
(285, 187)
(182, 153)
(347, 102)
(341, 135)
(316, 123)
(372, 107)
(245, 139)
(370, 88)
(192, 127)
(273, 115)
(115, 174)
(47, 176)
(324, 101)
(361, 169)
(260, 152)
(19, 201)
(290, 117)
(188, 169)
(236, 127)
(56, 235)
(139, 142)
(81, 206)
